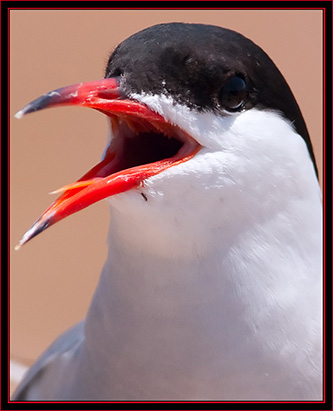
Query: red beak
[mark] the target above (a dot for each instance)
(143, 145)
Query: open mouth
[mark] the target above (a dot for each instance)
(143, 144)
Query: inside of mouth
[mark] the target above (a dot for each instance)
(147, 148)
(137, 144)
(134, 144)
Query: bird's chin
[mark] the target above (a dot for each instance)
(159, 218)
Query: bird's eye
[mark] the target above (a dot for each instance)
(233, 94)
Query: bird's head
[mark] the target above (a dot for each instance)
(200, 118)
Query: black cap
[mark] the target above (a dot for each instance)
(194, 62)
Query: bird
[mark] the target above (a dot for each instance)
(212, 287)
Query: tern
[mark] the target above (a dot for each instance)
(212, 288)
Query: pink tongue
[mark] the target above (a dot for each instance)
(78, 184)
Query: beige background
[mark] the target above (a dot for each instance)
(54, 276)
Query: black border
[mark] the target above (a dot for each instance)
(327, 200)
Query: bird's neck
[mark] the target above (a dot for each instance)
(183, 316)
(162, 319)
(143, 300)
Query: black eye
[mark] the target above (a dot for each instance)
(233, 94)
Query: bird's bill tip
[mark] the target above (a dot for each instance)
(19, 114)
(91, 94)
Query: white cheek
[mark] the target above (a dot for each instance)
(262, 141)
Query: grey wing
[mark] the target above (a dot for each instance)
(62, 344)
